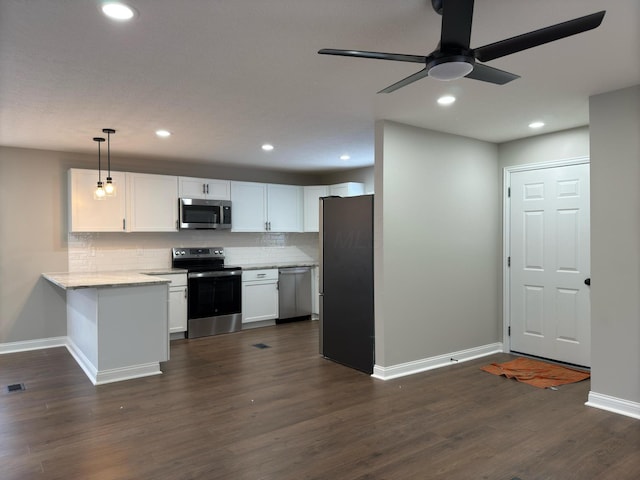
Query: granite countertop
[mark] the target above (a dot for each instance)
(260, 266)
(72, 281)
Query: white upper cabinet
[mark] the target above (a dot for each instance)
(152, 203)
(347, 189)
(259, 207)
(284, 208)
(312, 197)
(248, 207)
(205, 188)
(89, 215)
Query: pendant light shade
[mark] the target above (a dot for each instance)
(99, 193)
(109, 188)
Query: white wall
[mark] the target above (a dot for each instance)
(615, 244)
(437, 250)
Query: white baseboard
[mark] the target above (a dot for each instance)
(613, 404)
(25, 346)
(127, 373)
(100, 377)
(417, 366)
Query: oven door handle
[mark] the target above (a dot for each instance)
(217, 273)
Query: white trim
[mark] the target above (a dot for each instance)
(613, 404)
(417, 366)
(100, 377)
(81, 359)
(128, 373)
(27, 345)
(506, 229)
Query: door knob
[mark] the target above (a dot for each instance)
(587, 281)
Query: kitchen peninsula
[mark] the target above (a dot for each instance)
(117, 323)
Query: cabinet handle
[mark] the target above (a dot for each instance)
(207, 188)
(204, 190)
(185, 293)
(124, 224)
(262, 275)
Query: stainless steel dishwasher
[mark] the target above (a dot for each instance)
(294, 293)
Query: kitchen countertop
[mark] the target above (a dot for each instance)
(260, 266)
(73, 281)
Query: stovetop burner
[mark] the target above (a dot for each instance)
(200, 259)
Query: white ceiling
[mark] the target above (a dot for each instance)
(227, 76)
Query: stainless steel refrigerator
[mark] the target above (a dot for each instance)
(346, 281)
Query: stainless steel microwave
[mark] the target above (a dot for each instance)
(199, 214)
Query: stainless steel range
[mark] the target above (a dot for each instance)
(215, 291)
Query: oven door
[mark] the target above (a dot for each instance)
(213, 294)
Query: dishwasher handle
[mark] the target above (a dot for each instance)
(293, 270)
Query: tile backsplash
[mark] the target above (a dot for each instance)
(90, 252)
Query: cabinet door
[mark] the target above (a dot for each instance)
(348, 189)
(312, 197)
(177, 309)
(218, 189)
(89, 215)
(259, 301)
(152, 203)
(284, 203)
(190, 187)
(248, 207)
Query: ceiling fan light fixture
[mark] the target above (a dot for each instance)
(451, 70)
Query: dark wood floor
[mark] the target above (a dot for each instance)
(224, 409)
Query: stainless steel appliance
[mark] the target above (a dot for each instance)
(214, 303)
(346, 281)
(199, 214)
(294, 293)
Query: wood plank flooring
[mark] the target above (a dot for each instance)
(225, 409)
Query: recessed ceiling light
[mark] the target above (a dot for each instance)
(344, 157)
(267, 147)
(163, 133)
(446, 100)
(117, 11)
(536, 125)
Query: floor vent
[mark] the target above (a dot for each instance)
(261, 345)
(16, 387)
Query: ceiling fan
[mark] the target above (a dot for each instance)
(454, 58)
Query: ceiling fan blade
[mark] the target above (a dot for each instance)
(377, 55)
(538, 37)
(457, 16)
(491, 75)
(406, 81)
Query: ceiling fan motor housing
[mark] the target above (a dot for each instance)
(450, 67)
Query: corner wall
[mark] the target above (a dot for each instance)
(437, 217)
(615, 248)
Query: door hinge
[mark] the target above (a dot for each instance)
(508, 261)
(509, 331)
(509, 192)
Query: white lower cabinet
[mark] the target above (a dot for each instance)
(177, 302)
(259, 296)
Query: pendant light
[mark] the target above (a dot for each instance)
(109, 188)
(99, 193)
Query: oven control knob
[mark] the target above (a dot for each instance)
(183, 252)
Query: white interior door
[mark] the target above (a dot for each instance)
(549, 308)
